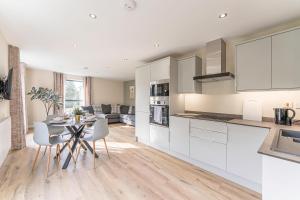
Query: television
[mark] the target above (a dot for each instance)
(6, 86)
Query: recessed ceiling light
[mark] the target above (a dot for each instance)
(74, 45)
(223, 15)
(93, 16)
(125, 59)
(156, 44)
(85, 68)
(129, 4)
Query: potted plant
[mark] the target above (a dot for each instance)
(77, 113)
(47, 96)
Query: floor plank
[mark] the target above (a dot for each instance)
(134, 171)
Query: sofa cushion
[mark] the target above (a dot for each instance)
(112, 116)
(115, 109)
(131, 110)
(106, 109)
(127, 117)
(124, 109)
(97, 108)
(88, 109)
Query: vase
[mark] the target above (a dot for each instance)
(77, 118)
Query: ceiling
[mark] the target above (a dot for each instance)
(59, 35)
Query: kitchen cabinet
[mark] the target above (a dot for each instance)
(285, 60)
(187, 69)
(220, 127)
(159, 137)
(208, 141)
(208, 151)
(142, 127)
(242, 157)
(160, 69)
(253, 65)
(179, 135)
(142, 85)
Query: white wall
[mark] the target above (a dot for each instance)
(221, 97)
(5, 131)
(107, 91)
(36, 78)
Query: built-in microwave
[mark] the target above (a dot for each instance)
(159, 88)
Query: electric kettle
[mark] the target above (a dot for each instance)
(282, 116)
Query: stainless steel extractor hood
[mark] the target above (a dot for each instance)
(215, 63)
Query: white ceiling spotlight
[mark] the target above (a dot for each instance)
(85, 68)
(129, 4)
(156, 44)
(93, 16)
(222, 15)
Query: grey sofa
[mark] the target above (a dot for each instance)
(113, 113)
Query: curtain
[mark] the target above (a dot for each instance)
(59, 89)
(17, 103)
(87, 91)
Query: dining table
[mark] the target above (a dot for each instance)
(76, 131)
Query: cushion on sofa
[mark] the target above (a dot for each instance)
(88, 109)
(97, 108)
(124, 109)
(115, 109)
(128, 117)
(106, 109)
(112, 116)
(131, 110)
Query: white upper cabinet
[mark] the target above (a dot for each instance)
(187, 69)
(142, 84)
(286, 60)
(242, 157)
(253, 65)
(160, 69)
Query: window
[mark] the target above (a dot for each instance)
(74, 94)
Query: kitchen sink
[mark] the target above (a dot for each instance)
(287, 141)
(290, 133)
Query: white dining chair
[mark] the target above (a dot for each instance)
(99, 131)
(42, 138)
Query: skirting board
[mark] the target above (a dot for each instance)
(5, 142)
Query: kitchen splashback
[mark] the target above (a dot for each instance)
(233, 103)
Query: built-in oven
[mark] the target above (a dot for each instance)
(159, 88)
(159, 111)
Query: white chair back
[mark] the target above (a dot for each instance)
(41, 133)
(100, 129)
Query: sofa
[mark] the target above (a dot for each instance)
(113, 113)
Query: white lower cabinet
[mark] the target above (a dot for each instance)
(228, 150)
(142, 127)
(242, 157)
(179, 135)
(159, 137)
(208, 151)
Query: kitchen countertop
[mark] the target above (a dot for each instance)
(265, 148)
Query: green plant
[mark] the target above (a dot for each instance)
(47, 96)
(77, 111)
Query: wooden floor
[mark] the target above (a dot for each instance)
(133, 172)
